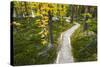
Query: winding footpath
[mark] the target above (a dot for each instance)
(65, 53)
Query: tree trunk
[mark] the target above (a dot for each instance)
(85, 18)
(72, 13)
(50, 29)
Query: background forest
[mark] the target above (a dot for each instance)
(37, 27)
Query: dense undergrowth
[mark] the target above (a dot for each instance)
(27, 46)
(84, 45)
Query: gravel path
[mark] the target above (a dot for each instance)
(65, 54)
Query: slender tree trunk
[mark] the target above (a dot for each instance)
(26, 9)
(85, 18)
(77, 13)
(50, 29)
(72, 13)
